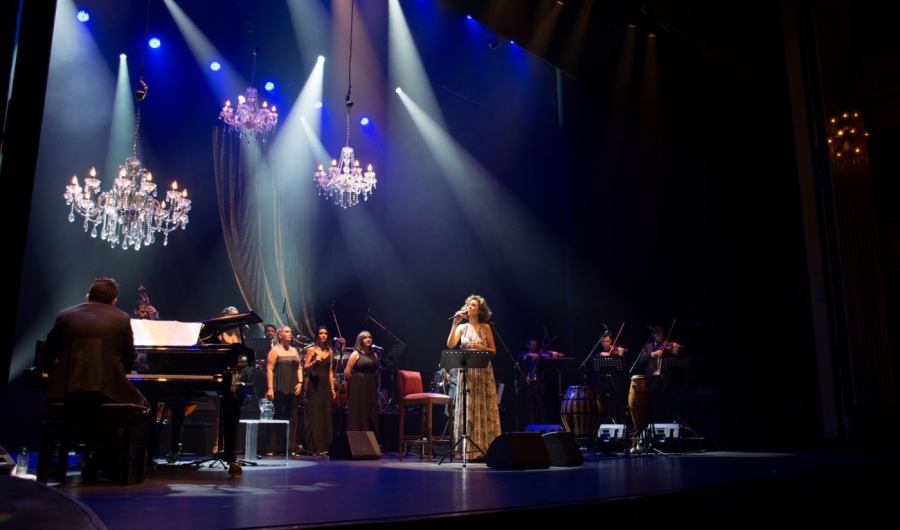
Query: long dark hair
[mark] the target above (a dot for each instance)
(327, 345)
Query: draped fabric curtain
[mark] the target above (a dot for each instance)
(266, 235)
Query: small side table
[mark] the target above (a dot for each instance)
(250, 453)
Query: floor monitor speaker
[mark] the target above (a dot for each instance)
(518, 450)
(563, 449)
(355, 445)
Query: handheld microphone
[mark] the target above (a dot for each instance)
(457, 314)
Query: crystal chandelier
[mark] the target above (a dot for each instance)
(129, 212)
(846, 136)
(249, 118)
(345, 181)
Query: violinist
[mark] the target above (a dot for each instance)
(613, 386)
(537, 389)
(664, 396)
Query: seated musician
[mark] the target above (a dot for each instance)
(536, 391)
(87, 354)
(229, 336)
(664, 396)
(144, 311)
(612, 387)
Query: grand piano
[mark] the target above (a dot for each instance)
(178, 376)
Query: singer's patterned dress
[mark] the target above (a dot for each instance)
(483, 415)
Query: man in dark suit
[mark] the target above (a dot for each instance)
(87, 354)
(90, 349)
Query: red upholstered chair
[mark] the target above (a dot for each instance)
(410, 394)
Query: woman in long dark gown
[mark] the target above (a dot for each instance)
(319, 393)
(360, 373)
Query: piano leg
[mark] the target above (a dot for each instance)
(231, 414)
(177, 424)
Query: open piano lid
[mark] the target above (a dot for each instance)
(211, 326)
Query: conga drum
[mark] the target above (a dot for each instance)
(639, 401)
(581, 411)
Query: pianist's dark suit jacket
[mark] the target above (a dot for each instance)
(95, 347)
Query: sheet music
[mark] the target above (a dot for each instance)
(165, 332)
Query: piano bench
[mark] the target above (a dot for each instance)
(121, 429)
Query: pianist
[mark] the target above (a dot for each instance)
(87, 354)
(90, 349)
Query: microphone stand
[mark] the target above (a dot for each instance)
(588, 358)
(393, 366)
(641, 353)
(515, 379)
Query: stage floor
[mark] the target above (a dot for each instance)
(670, 487)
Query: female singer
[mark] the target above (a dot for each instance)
(360, 374)
(285, 379)
(483, 414)
(319, 393)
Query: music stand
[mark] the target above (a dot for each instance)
(463, 360)
(609, 365)
(673, 364)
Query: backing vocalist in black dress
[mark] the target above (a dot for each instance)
(361, 374)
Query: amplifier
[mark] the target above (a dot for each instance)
(666, 431)
(610, 432)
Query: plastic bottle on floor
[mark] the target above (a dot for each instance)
(22, 463)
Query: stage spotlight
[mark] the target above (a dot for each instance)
(215, 66)
(399, 90)
(154, 43)
(364, 121)
(122, 56)
(83, 16)
(269, 86)
(317, 104)
(469, 17)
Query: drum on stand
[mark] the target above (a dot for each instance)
(581, 411)
(639, 401)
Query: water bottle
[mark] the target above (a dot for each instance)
(22, 463)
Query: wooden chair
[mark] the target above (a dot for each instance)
(410, 394)
(122, 428)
